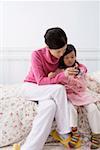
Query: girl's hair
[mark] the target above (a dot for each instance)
(55, 38)
(69, 49)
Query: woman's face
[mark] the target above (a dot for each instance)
(69, 59)
(58, 52)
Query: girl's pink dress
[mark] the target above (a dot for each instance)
(77, 90)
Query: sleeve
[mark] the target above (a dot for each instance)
(83, 68)
(39, 74)
(75, 84)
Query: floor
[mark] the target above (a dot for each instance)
(58, 146)
(52, 147)
(46, 148)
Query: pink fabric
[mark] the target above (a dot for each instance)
(77, 90)
(42, 63)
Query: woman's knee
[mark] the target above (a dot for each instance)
(60, 87)
(49, 106)
(52, 106)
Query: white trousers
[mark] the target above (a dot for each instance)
(52, 104)
(93, 115)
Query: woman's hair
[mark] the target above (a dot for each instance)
(69, 49)
(55, 38)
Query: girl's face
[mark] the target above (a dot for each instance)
(58, 52)
(69, 59)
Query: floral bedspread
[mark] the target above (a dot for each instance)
(17, 114)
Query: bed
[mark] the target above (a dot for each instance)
(17, 114)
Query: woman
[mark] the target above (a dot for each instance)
(50, 94)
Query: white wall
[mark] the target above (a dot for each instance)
(23, 24)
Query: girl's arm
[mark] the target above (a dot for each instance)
(75, 84)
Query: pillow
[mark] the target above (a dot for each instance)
(96, 76)
(93, 81)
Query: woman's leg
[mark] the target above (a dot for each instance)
(55, 92)
(62, 115)
(41, 126)
(43, 121)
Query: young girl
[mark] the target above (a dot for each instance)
(78, 95)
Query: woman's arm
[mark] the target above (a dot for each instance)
(40, 75)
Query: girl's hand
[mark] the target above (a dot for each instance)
(51, 74)
(71, 71)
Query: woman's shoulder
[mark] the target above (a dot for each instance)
(38, 52)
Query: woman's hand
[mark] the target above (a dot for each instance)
(51, 74)
(71, 71)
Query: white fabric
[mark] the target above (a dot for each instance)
(16, 115)
(46, 94)
(73, 116)
(93, 115)
(41, 126)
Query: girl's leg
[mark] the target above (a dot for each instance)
(93, 114)
(41, 126)
(73, 115)
(75, 136)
